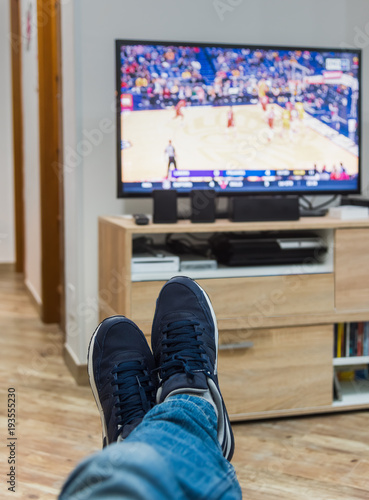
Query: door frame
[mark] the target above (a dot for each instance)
(17, 108)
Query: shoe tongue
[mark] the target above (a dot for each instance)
(183, 384)
(127, 429)
(178, 316)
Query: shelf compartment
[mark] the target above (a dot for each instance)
(326, 266)
(250, 301)
(355, 392)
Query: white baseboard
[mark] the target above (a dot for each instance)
(33, 292)
(76, 368)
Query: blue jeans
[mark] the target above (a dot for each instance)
(173, 454)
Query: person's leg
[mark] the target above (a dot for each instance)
(169, 164)
(184, 341)
(173, 454)
(177, 450)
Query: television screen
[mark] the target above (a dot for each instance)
(237, 119)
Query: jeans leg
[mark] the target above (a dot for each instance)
(173, 454)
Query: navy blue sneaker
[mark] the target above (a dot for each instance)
(120, 367)
(185, 345)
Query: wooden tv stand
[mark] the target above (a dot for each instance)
(275, 323)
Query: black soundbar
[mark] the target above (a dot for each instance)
(264, 208)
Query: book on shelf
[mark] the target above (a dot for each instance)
(360, 339)
(347, 336)
(360, 374)
(340, 333)
(351, 339)
(337, 392)
(346, 375)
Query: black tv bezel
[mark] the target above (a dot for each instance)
(120, 185)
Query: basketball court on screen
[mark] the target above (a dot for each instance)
(203, 141)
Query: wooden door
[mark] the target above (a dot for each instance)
(51, 171)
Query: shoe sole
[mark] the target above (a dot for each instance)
(227, 439)
(215, 325)
(93, 386)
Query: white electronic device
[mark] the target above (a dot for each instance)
(155, 261)
(197, 263)
(349, 212)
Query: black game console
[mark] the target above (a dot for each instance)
(261, 249)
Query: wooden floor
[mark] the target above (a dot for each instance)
(315, 458)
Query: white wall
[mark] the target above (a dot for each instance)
(7, 225)
(357, 35)
(31, 152)
(91, 185)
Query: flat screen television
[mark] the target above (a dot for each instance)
(237, 118)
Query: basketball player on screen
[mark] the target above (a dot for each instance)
(335, 119)
(263, 98)
(264, 101)
(286, 123)
(171, 154)
(271, 118)
(300, 110)
(262, 88)
(230, 118)
(289, 107)
(178, 109)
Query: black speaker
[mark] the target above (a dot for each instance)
(203, 205)
(264, 208)
(165, 206)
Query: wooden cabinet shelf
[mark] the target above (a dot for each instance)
(351, 361)
(276, 323)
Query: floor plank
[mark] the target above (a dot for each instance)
(323, 457)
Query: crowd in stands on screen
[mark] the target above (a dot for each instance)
(333, 172)
(164, 75)
(339, 173)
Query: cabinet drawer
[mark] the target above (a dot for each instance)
(241, 302)
(352, 269)
(286, 368)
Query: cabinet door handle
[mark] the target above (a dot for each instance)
(241, 345)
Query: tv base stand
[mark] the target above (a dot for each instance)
(314, 212)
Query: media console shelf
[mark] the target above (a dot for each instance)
(275, 323)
